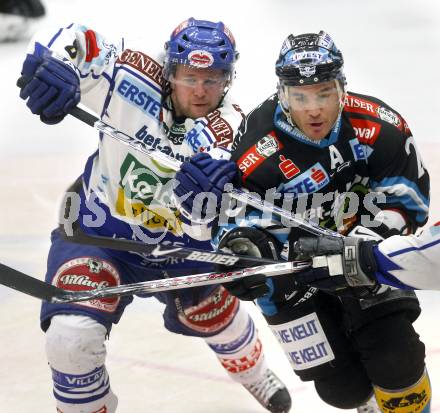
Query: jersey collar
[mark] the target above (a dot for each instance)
(282, 124)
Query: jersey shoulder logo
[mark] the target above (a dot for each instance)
(258, 153)
(267, 145)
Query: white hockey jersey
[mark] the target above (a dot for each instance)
(411, 261)
(123, 84)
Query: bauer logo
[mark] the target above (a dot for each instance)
(86, 273)
(201, 59)
(267, 146)
(308, 182)
(304, 341)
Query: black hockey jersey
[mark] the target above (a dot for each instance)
(370, 148)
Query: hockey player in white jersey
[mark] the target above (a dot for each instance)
(174, 102)
(405, 262)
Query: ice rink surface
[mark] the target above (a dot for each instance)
(391, 50)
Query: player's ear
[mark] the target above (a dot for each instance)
(283, 98)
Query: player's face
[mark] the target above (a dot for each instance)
(196, 92)
(315, 108)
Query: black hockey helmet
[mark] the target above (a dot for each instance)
(309, 59)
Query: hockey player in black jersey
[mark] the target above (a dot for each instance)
(323, 150)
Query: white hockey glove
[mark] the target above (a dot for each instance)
(345, 266)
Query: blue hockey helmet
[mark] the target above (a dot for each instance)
(201, 44)
(309, 59)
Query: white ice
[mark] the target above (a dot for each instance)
(391, 50)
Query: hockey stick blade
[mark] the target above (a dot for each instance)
(44, 291)
(29, 285)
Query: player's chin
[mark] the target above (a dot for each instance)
(317, 133)
(198, 111)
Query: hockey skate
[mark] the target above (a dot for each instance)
(271, 393)
(370, 406)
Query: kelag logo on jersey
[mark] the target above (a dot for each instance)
(308, 182)
(144, 196)
(140, 96)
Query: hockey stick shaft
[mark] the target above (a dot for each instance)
(157, 250)
(174, 164)
(44, 291)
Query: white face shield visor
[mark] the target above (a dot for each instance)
(192, 77)
(310, 98)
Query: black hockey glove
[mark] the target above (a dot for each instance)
(254, 242)
(345, 266)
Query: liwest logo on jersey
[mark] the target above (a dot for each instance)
(258, 153)
(140, 96)
(365, 130)
(308, 182)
